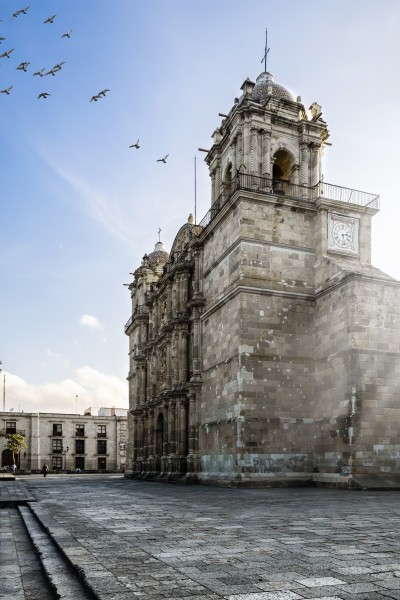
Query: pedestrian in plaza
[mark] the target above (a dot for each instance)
(45, 468)
(14, 468)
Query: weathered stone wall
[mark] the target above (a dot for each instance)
(357, 378)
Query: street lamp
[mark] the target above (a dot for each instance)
(65, 457)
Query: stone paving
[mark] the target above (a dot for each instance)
(21, 573)
(145, 540)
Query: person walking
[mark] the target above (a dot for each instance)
(45, 468)
(14, 468)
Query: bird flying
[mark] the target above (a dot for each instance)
(58, 66)
(94, 98)
(43, 95)
(135, 145)
(67, 34)
(7, 53)
(164, 160)
(51, 72)
(7, 90)
(40, 73)
(23, 66)
(22, 11)
(103, 93)
(50, 19)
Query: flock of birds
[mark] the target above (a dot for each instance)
(23, 66)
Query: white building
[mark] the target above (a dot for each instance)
(65, 442)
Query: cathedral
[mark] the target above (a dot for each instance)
(264, 347)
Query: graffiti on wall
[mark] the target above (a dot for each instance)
(276, 465)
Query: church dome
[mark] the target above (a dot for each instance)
(266, 86)
(159, 256)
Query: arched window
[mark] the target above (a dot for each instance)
(282, 171)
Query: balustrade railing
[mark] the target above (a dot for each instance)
(292, 191)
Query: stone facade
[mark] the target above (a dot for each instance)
(264, 349)
(95, 443)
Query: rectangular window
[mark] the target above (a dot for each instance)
(57, 429)
(101, 464)
(101, 446)
(57, 446)
(79, 446)
(11, 427)
(79, 463)
(79, 430)
(57, 463)
(101, 431)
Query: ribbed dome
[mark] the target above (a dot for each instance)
(159, 256)
(266, 86)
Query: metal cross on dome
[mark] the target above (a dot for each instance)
(264, 58)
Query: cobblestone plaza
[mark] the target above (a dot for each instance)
(146, 540)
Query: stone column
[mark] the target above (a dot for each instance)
(140, 451)
(135, 441)
(266, 154)
(233, 145)
(178, 293)
(213, 196)
(168, 379)
(193, 457)
(151, 449)
(314, 165)
(246, 148)
(304, 163)
(182, 427)
(165, 450)
(196, 254)
(184, 291)
(239, 152)
(172, 428)
(183, 356)
(218, 181)
(169, 302)
(254, 151)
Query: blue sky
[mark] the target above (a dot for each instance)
(79, 208)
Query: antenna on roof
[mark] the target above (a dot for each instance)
(159, 231)
(195, 191)
(264, 58)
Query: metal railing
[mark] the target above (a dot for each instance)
(342, 194)
(292, 191)
(138, 310)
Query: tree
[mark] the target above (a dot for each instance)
(15, 443)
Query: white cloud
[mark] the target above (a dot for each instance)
(92, 388)
(100, 205)
(90, 321)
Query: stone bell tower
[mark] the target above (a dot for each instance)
(265, 348)
(289, 363)
(268, 135)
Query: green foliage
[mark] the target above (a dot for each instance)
(15, 443)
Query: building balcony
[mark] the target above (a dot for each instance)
(12, 432)
(139, 310)
(291, 191)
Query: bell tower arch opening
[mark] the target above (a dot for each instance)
(283, 166)
(282, 171)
